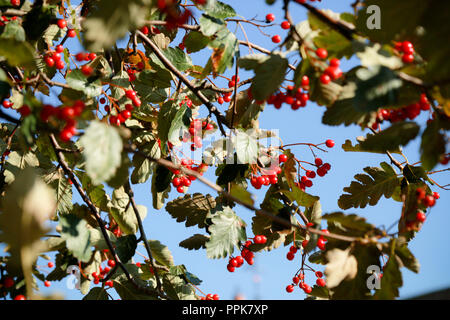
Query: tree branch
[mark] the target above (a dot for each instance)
(94, 211)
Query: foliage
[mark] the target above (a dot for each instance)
(125, 113)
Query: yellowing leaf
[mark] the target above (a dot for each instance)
(342, 265)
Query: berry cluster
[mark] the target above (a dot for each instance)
(299, 280)
(103, 272)
(409, 112)
(406, 48)
(68, 114)
(4, 20)
(246, 254)
(423, 199)
(173, 15)
(333, 71)
(296, 98)
(123, 115)
(62, 24)
(210, 296)
(182, 182)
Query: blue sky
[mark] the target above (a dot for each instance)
(271, 272)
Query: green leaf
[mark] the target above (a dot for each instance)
(63, 190)
(356, 288)
(178, 58)
(96, 293)
(246, 113)
(13, 30)
(210, 25)
(406, 257)
(227, 231)
(123, 212)
(160, 186)
(218, 9)
(90, 86)
(110, 20)
(191, 208)
(246, 146)
(348, 147)
(195, 242)
(432, 145)
(398, 134)
(349, 221)
(161, 253)
(314, 213)
(225, 46)
(126, 247)
(369, 188)
(269, 76)
(378, 86)
(195, 41)
(343, 112)
(22, 55)
(180, 124)
(301, 197)
(78, 238)
(102, 149)
(242, 194)
(392, 278)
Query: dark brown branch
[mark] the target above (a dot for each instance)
(212, 109)
(220, 190)
(94, 211)
(143, 237)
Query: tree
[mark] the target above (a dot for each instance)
(130, 112)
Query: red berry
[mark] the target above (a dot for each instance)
(319, 274)
(325, 79)
(285, 25)
(126, 114)
(111, 263)
(276, 39)
(307, 289)
(87, 70)
(20, 297)
(230, 268)
(304, 243)
(318, 161)
(59, 48)
(329, 143)
(180, 189)
(49, 61)
(8, 282)
(408, 58)
(47, 283)
(71, 33)
(436, 195)
(50, 264)
(429, 201)
(15, 3)
(322, 53)
(335, 62)
(61, 23)
(420, 193)
(290, 256)
(290, 288)
(270, 17)
(321, 282)
(321, 244)
(421, 217)
(60, 65)
(282, 158)
(92, 56)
